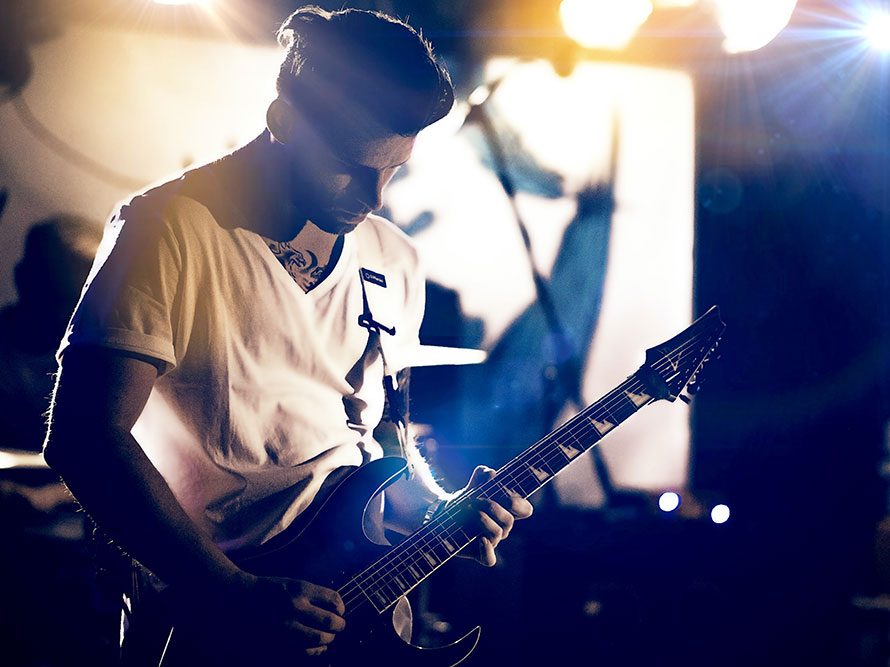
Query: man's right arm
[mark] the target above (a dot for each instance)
(99, 395)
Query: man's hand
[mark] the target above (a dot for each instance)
(495, 520)
(273, 618)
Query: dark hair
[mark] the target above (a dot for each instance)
(354, 61)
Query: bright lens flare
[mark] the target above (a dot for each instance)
(603, 24)
(752, 24)
(877, 31)
(720, 514)
(668, 501)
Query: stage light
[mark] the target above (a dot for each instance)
(877, 31)
(720, 514)
(181, 2)
(668, 501)
(603, 24)
(752, 24)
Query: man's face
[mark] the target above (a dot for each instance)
(339, 177)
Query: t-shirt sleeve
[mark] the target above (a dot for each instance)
(129, 300)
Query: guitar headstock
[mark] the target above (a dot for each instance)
(673, 365)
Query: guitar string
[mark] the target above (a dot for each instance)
(393, 561)
(504, 474)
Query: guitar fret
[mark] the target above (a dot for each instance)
(362, 591)
(540, 473)
(639, 399)
(527, 483)
(503, 492)
(602, 426)
(464, 539)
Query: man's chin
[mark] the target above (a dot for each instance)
(340, 222)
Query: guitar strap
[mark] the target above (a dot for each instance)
(395, 400)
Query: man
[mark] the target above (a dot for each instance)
(214, 375)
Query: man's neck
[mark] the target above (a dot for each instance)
(310, 256)
(255, 180)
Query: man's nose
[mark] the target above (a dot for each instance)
(372, 196)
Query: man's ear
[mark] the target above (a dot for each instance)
(281, 119)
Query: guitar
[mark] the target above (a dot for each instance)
(371, 578)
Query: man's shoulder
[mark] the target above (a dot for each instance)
(159, 199)
(180, 204)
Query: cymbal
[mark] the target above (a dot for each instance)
(436, 355)
(21, 459)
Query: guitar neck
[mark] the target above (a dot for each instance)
(426, 549)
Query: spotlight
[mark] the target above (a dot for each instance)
(877, 31)
(603, 24)
(668, 501)
(720, 514)
(752, 24)
(181, 2)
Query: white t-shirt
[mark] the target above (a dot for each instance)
(264, 389)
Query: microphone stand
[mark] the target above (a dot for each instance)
(560, 372)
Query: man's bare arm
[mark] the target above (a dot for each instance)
(99, 396)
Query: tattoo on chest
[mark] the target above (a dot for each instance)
(301, 264)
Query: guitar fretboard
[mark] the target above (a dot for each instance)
(425, 550)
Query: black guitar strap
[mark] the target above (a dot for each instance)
(394, 399)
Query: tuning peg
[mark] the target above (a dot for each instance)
(686, 399)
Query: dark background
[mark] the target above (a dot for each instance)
(792, 204)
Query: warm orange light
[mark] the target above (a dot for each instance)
(603, 24)
(181, 2)
(752, 24)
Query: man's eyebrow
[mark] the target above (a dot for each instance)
(353, 163)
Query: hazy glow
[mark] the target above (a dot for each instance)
(604, 24)
(669, 501)
(567, 129)
(181, 2)
(13, 458)
(720, 514)
(877, 30)
(752, 24)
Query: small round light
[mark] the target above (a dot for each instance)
(720, 514)
(668, 501)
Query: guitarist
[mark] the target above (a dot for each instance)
(214, 378)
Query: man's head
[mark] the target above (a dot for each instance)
(354, 61)
(354, 89)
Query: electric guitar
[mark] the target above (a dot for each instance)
(330, 547)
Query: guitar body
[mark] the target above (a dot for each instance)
(332, 547)
(327, 548)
